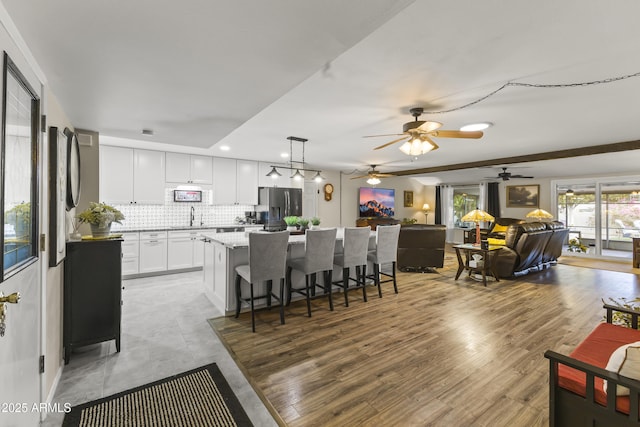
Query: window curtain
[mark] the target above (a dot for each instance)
(493, 199)
(446, 196)
(438, 208)
(482, 196)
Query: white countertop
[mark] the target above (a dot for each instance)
(133, 229)
(241, 240)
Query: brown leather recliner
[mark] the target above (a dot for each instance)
(530, 247)
(554, 248)
(421, 247)
(494, 232)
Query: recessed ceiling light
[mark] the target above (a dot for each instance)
(475, 126)
(225, 148)
(147, 132)
(284, 155)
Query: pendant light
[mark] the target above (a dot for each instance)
(274, 174)
(299, 171)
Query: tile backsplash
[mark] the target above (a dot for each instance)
(173, 214)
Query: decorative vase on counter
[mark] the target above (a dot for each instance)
(97, 231)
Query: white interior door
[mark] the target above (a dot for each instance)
(20, 351)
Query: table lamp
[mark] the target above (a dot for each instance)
(426, 209)
(539, 214)
(476, 216)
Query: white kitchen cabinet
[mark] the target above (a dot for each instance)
(235, 182)
(130, 253)
(189, 168)
(116, 175)
(131, 176)
(153, 251)
(148, 177)
(224, 181)
(220, 273)
(246, 182)
(185, 249)
(198, 252)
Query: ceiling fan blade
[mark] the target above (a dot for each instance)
(382, 175)
(431, 141)
(390, 134)
(429, 126)
(457, 134)
(521, 176)
(358, 177)
(391, 142)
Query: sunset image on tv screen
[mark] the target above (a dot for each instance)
(376, 202)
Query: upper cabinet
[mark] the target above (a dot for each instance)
(235, 182)
(131, 176)
(189, 168)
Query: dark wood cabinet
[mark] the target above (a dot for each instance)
(92, 293)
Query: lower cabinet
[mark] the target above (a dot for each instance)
(185, 250)
(92, 293)
(130, 253)
(153, 251)
(214, 273)
(160, 251)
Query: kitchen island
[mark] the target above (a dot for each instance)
(223, 252)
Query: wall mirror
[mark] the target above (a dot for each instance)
(73, 169)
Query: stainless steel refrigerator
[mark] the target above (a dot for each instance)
(280, 202)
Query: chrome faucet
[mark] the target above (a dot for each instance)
(192, 216)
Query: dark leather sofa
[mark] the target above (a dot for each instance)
(421, 247)
(530, 247)
(493, 231)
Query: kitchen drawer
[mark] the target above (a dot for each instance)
(130, 265)
(153, 235)
(184, 234)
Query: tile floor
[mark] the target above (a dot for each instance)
(164, 332)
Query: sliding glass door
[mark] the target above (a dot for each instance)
(603, 217)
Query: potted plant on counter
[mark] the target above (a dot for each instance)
(292, 222)
(315, 223)
(100, 216)
(303, 223)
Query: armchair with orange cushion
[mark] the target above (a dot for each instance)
(581, 385)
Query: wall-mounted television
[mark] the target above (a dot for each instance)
(376, 202)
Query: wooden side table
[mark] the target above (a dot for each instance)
(488, 258)
(636, 252)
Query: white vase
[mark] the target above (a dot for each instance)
(97, 231)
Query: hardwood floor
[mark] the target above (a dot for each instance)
(440, 353)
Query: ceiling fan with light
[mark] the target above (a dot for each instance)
(506, 176)
(418, 133)
(373, 176)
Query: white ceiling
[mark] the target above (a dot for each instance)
(248, 74)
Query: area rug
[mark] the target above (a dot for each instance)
(622, 266)
(200, 397)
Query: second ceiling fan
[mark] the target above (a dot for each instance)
(418, 135)
(506, 176)
(373, 176)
